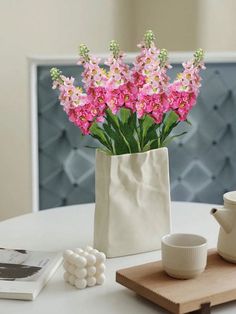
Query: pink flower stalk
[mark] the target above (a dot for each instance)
(151, 66)
(184, 90)
(148, 57)
(154, 105)
(82, 109)
(95, 80)
(93, 76)
(70, 96)
(97, 97)
(92, 111)
(119, 89)
(182, 102)
(119, 73)
(84, 117)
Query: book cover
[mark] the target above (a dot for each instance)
(24, 273)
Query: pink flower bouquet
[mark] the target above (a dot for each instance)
(130, 109)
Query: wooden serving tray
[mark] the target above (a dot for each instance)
(216, 285)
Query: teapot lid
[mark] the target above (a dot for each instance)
(230, 197)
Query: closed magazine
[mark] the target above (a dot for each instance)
(24, 273)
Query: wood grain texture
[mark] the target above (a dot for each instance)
(217, 284)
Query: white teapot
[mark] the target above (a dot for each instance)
(226, 217)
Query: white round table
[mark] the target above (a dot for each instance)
(72, 226)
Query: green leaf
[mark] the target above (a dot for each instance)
(146, 124)
(170, 122)
(124, 115)
(151, 134)
(120, 145)
(155, 144)
(112, 119)
(151, 145)
(101, 141)
(132, 121)
(110, 142)
(188, 122)
(148, 130)
(109, 131)
(105, 150)
(129, 135)
(98, 133)
(171, 138)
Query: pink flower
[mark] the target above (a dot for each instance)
(184, 90)
(83, 117)
(115, 99)
(70, 96)
(149, 75)
(97, 97)
(154, 105)
(82, 109)
(119, 72)
(130, 92)
(93, 75)
(120, 91)
(189, 80)
(182, 102)
(138, 79)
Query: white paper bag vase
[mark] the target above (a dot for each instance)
(132, 202)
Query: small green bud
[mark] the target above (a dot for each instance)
(163, 56)
(84, 52)
(198, 56)
(55, 74)
(115, 48)
(149, 38)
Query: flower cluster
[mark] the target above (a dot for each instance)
(145, 89)
(150, 69)
(83, 109)
(120, 91)
(184, 91)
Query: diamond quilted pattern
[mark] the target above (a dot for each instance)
(197, 176)
(180, 190)
(78, 166)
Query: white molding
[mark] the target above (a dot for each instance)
(175, 57)
(34, 135)
(210, 57)
(34, 61)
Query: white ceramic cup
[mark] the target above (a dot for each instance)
(184, 255)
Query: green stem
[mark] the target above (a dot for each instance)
(138, 141)
(140, 121)
(138, 132)
(126, 142)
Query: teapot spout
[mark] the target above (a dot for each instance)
(224, 217)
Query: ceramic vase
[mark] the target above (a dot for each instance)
(132, 210)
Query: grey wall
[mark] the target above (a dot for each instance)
(202, 163)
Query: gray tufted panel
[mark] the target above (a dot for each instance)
(202, 163)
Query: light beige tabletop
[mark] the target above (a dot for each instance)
(72, 226)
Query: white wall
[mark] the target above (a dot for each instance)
(217, 25)
(27, 28)
(56, 27)
(174, 22)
